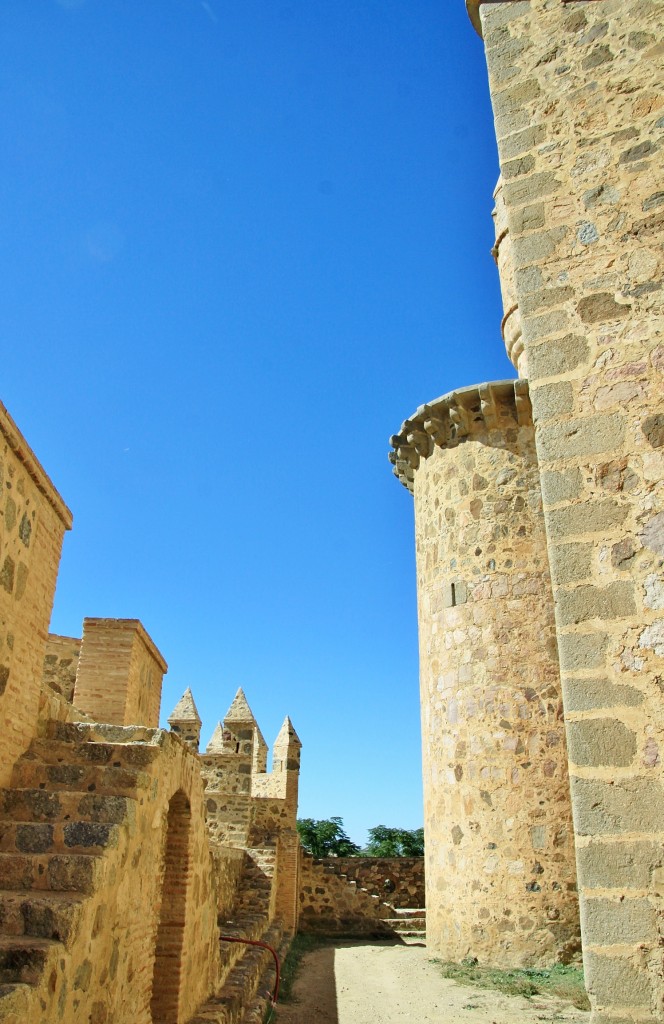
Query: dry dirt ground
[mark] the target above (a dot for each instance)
(358, 983)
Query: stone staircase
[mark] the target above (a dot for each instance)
(249, 974)
(406, 923)
(71, 794)
(410, 923)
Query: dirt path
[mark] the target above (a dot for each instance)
(354, 983)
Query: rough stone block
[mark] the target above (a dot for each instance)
(625, 920)
(626, 805)
(494, 18)
(590, 602)
(592, 694)
(582, 650)
(561, 485)
(586, 517)
(615, 982)
(555, 357)
(624, 865)
(601, 308)
(600, 741)
(536, 247)
(552, 400)
(590, 435)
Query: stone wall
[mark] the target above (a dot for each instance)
(404, 877)
(61, 664)
(116, 894)
(578, 102)
(33, 519)
(329, 905)
(497, 815)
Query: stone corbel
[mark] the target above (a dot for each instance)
(460, 417)
(490, 407)
(421, 442)
(524, 411)
(437, 429)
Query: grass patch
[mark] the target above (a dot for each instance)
(566, 982)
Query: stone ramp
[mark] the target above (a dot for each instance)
(249, 972)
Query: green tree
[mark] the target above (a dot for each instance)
(326, 838)
(395, 842)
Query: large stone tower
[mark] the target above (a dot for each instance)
(577, 94)
(501, 882)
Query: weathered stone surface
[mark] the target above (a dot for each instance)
(551, 358)
(591, 694)
(613, 981)
(490, 728)
(619, 921)
(627, 805)
(621, 865)
(601, 741)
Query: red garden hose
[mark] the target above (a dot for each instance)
(263, 945)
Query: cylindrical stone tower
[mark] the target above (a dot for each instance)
(500, 868)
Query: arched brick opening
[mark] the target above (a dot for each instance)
(165, 1002)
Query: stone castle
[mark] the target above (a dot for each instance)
(141, 881)
(539, 520)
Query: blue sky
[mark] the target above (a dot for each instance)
(242, 241)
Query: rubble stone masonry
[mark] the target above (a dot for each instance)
(500, 872)
(578, 102)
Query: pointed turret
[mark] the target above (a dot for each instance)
(287, 746)
(239, 711)
(216, 744)
(185, 720)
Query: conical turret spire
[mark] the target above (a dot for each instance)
(287, 735)
(216, 744)
(239, 711)
(185, 720)
(185, 710)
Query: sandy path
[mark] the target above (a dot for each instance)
(355, 983)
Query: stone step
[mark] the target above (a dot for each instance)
(23, 959)
(40, 805)
(405, 925)
(57, 872)
(410, 911)
(41, 915)
(58, 837)
(15, 1000)
(119, 755)
(78, 777)
(80, 732)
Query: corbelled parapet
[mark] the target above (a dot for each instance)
(450, 419)
(497, 822)
(473, 8)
